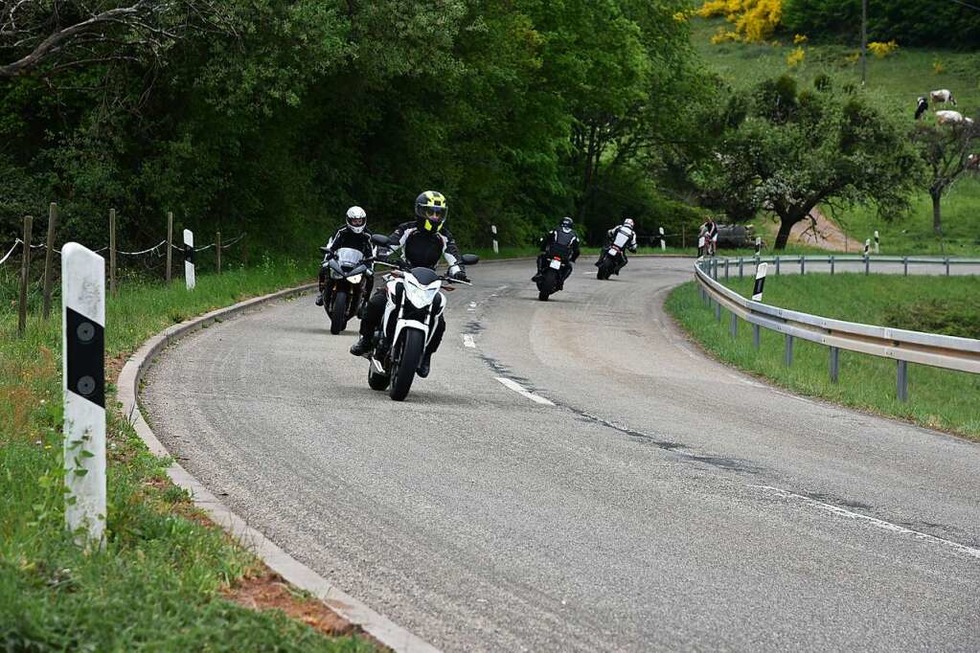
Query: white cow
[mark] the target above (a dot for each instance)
(942, 96)
(946, 117)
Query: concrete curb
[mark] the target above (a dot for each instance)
(296, 573)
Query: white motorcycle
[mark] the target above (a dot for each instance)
(415, 302)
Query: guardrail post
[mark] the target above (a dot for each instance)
(905, 262)
(903, 381)
(831, 261)
(718, 311)
(741, 267)
(834, 364)
(947, 266)
(788, 357)
(726, 269)
(777, 265)
(802, 265)
(756, 335)
(867, 265)
(733, 326)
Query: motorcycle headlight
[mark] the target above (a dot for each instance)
(420, 296)
(356, 279)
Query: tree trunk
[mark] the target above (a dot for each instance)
(937, 220)
(782, 236)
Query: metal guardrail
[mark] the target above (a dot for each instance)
(847, 262)
(949, 352)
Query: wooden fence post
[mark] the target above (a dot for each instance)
(48, 257)
(112, 252)
(25, 272)
(218, 250)
(170, 242)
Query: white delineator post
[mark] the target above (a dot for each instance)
(83, 384)
(189, 259)
(496, 247)
(877, 250)
(663, 243)
(867, 247)
(760, 281)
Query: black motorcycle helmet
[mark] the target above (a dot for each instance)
(431, 211)
(565, 224)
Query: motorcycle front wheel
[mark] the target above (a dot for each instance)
(338, 313)
(377, 380)
(412, 347)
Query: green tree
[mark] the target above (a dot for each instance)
(945, 150)
(796, 149)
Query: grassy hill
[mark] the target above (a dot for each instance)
(894, 82)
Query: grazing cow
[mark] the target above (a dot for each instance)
(973, 162)
(942, 96)
(949, 118)
(920, 106)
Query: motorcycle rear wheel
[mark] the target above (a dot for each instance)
(338, 312)
(407, 362)
(548, 284)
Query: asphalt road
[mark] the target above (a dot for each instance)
(575, 476)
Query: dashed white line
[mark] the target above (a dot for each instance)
(874, 521)
(519, 389)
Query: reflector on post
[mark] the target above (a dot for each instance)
(189, 259)
(760, 281)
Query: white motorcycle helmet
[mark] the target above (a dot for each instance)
(628, 222)
(356, 219)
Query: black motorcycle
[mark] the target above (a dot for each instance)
(345, 292)
(612, 258)
(551, 278)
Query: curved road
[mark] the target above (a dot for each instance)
(558, 484)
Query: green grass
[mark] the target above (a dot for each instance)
(158, 583)
(940, 399)
(894, 83)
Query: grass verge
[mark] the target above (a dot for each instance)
(167, 578)
(939, 399)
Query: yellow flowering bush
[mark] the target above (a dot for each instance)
(882, 50)
(796, 57)
(754, 20)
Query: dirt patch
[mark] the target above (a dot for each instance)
(269, 591)
(817, 230)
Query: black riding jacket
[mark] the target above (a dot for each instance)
(423, 248)
(347, 238)
(561, 243)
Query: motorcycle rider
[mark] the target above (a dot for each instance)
(422, 242)
(709, 230)
(561, 241)
(353, 234)
(626, 228)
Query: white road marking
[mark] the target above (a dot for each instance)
(468, 340)
(874, 521)
(519, 389)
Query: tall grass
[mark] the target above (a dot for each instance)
(158, 584)
(940, 399)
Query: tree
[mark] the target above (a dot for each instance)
(945, 150)
(59, 34)
(796, 149)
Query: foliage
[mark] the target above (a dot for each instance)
(914, 24)
(945, 149)
(754, 21)
(792, 149)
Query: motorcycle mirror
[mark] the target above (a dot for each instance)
(380, 239)
(470, 259)
(323, 249)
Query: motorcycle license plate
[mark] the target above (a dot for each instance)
(556, 263)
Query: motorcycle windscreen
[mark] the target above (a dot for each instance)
(348, 257)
